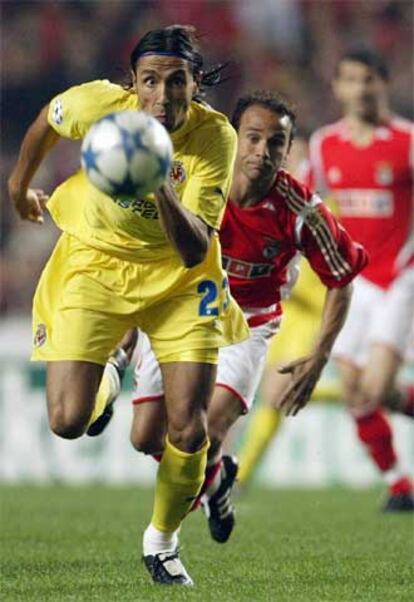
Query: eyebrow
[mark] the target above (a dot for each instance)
(279, 133)
(148, 71)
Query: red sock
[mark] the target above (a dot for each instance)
(210, 475)
(401, 487)
(374, 431)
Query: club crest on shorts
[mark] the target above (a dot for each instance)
(177, 173)
(40, 335)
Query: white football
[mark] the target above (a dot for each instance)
(127, 154)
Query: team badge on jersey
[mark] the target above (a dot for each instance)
(177, 173)
(334, 175)
(57, 113)
(40, 335)
(383, 174)
(271, 249)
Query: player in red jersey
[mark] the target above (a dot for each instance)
(365, 162)
(270, 220)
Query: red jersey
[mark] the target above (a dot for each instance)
(259, 244)
(372, 187)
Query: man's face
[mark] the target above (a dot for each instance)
(359, 89)
(165, 87)
(264, 140)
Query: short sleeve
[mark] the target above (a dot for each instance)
(209, 185)
(72, 112)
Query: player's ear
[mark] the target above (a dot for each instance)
(197, 83)
(133, 77)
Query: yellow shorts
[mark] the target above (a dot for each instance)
(301, 319)
(86, 300)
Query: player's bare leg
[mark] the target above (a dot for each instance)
(80, 394)
(71, 393)
(149, 427)
(366, 391)
(188, 387)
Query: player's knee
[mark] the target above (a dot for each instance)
(351, 395)
(189, 437)
(65, 426)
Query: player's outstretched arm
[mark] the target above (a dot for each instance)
(39, 139)
(187, 233)
(306, 371)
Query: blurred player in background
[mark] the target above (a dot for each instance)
(269, 221)
(365, 162)
(114, 268)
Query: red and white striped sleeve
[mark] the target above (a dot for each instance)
(333, 255)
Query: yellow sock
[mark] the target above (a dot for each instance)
(327, 390)
(179, 479)
(263, 426)
(103, 396)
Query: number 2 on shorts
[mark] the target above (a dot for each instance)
(208, 305)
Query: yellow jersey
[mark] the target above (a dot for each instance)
(204, 154)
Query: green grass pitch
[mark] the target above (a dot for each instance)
(83, 544)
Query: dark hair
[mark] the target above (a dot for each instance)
(269, 100)
(368, 57)
(182, 41)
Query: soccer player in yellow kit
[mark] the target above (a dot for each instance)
(153, 263)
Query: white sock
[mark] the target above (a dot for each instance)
(155, 541)
(393, 475)
(215, 484)
(113, 382)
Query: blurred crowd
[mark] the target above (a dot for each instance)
(286, 45)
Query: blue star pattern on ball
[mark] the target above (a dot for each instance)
(89, 157)
(128, 188)
(130, 142)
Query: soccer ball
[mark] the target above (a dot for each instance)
(127, 154)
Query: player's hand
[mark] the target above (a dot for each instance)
(129, 342)
(164, 192)
(31, 205)
(305, 373)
